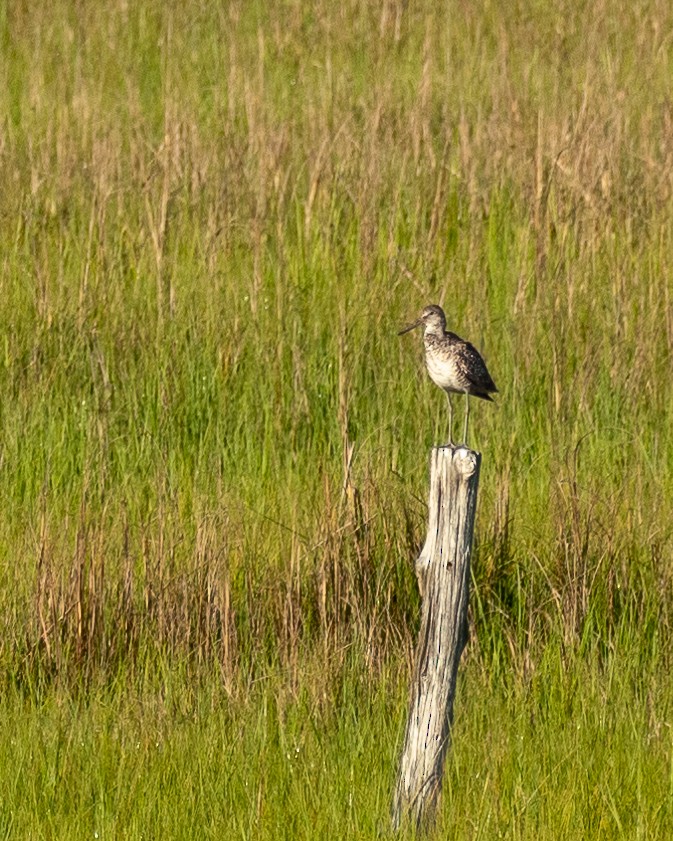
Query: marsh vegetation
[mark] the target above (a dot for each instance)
(213, 446)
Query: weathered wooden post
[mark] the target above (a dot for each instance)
(443, 572)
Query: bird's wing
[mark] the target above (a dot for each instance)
(473, 367)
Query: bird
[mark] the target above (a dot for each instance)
(454, 365)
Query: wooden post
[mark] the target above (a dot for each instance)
(443, 572)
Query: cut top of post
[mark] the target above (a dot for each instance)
(466, 461)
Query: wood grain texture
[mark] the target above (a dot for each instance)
(443, 571)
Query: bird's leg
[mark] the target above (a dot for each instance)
(448, 397)
(467, 415)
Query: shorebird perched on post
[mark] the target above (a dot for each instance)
(453, 364)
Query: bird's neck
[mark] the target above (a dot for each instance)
(434, 330)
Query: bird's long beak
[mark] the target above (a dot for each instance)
(410, 327)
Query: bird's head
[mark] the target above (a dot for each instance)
(432, 317)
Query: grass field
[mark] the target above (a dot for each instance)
(213, 445)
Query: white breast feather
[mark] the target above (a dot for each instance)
(443, 372)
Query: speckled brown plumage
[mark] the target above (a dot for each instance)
(454, 365)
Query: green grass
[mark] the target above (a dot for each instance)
(213, 445)
(558, 755)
